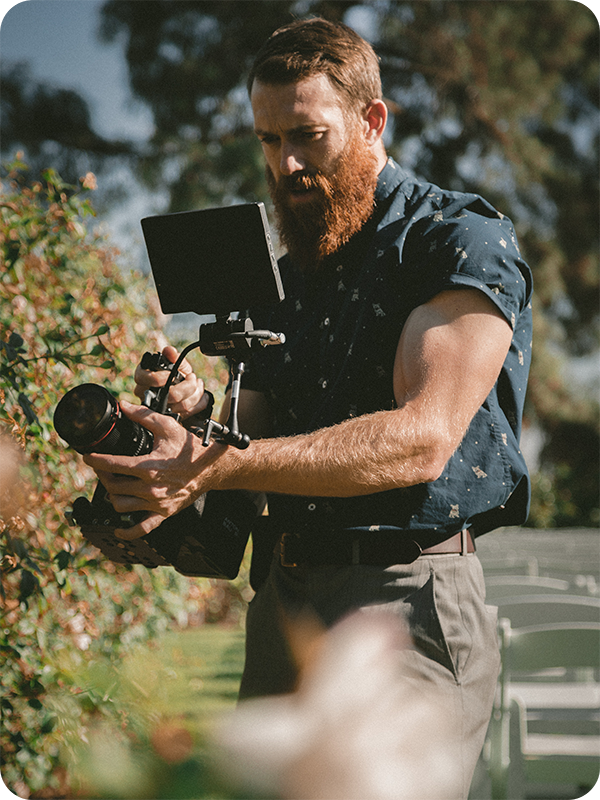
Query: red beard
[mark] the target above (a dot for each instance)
(343, 202)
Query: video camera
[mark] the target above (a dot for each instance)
(195, 268)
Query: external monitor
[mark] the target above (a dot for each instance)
(213, 261)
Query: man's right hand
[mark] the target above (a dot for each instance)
(186, 398)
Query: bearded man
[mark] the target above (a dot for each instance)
(386, 430)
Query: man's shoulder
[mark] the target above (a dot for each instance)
(443, 239)
(419, 209)
(421, 198)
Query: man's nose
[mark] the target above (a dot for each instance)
(291, 161)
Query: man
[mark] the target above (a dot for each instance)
(385, 431)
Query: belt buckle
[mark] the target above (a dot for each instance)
(283, 555)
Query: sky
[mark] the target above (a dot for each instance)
(58, 39)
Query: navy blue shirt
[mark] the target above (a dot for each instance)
(342, 328)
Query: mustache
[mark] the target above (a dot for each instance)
(304, 181)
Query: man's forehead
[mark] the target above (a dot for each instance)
(315, 93)
(309, 103)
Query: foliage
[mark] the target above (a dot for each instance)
(68, 314)
(496, 98)
(169, 696)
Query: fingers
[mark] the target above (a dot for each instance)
(150, 379)
(162, 426)
(152, 500)
(159, 483)
(172, 354)
(158, 424)
(186, 398)
(127, 493)
(147, 525)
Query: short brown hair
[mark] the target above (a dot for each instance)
(316, 46)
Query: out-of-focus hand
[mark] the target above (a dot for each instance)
(186, 398)
(162, 482)
(364, 724)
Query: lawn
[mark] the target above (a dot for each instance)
(204, 667)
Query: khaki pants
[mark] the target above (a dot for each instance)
(440, 597)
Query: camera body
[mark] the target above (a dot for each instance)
(208, 539)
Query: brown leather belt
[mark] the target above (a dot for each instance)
(461, 542)
(374, 549)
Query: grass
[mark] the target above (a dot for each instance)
(205, 667)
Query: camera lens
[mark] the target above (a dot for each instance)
(90, 420)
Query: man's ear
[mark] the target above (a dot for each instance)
(374, 121)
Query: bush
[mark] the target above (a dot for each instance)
(69, 315)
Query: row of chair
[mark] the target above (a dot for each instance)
(546, 721)
(572, 555)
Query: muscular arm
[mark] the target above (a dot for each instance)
(447, 361)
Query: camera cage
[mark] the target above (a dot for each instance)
(233, 339)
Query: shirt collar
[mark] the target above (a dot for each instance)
(390, 177)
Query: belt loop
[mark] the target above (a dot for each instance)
(464, 542)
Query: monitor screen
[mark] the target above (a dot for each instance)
(213, 261)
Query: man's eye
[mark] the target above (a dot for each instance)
(312, 135)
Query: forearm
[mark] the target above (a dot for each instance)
(368, 454)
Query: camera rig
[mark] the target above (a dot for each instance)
(232, 338)
(208, 538)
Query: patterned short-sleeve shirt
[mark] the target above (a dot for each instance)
(342, 329)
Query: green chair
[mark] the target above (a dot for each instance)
(543, 729)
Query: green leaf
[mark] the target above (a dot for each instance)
(63, 559)
(28, 584)
(25, 404)
(15, 340)
(49, 724)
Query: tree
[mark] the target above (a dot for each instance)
(46, 119)
(175, 52)
(499, 98)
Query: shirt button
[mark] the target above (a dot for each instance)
(326, 321)
(323, 383)
(311, 507)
